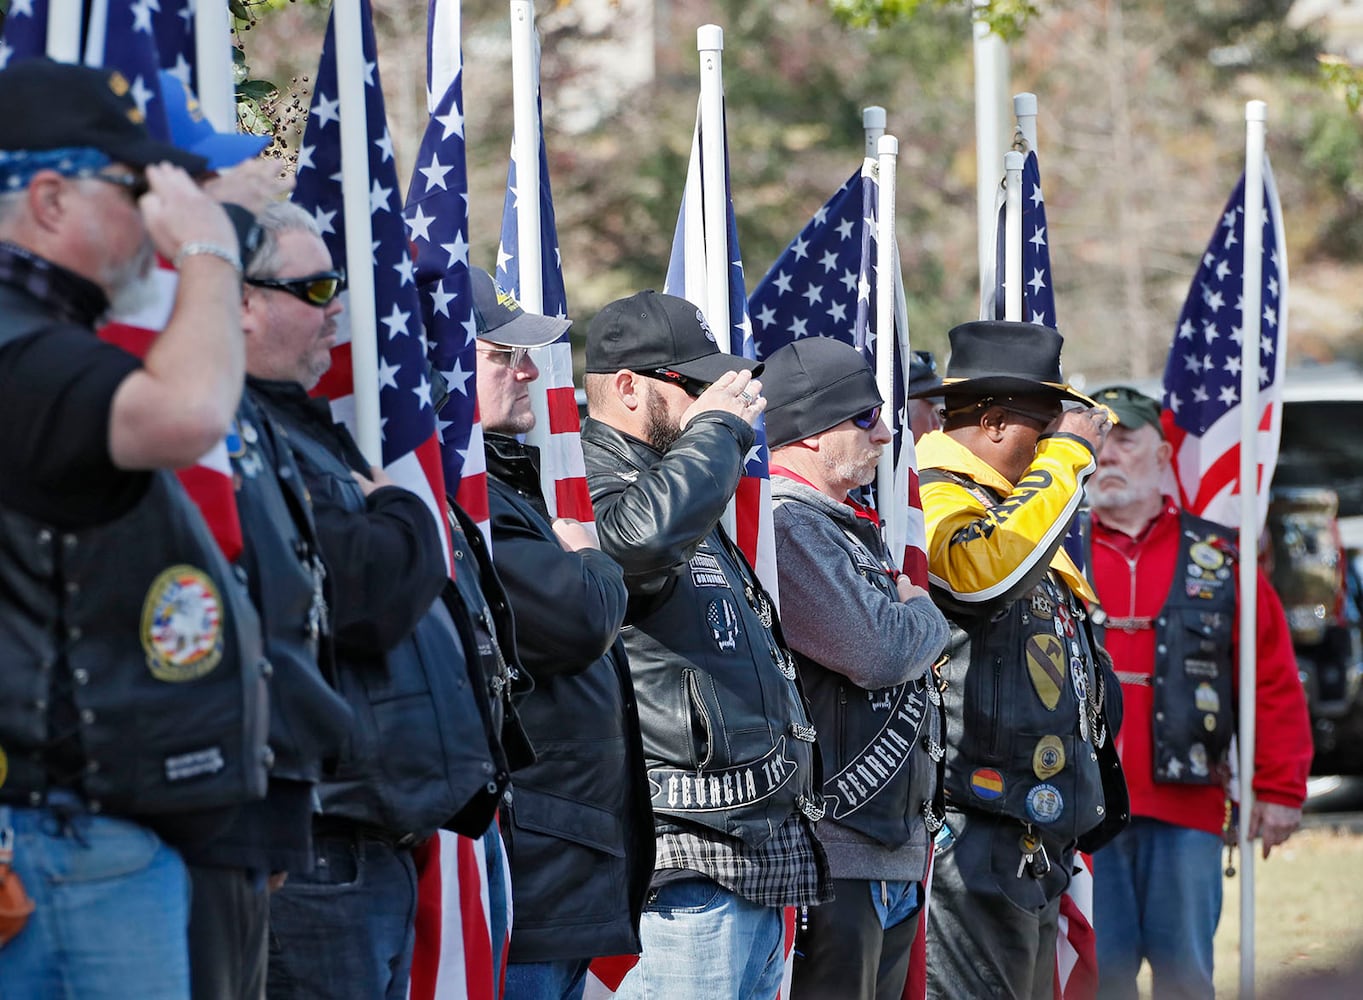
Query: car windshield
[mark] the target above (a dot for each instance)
(1322, 445)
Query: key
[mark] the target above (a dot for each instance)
(1041, 866)
(1028, 844)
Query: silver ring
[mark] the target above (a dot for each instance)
(749, 400)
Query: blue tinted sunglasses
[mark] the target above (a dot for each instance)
(868, 419)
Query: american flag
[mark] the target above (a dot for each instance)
(686, 278)
(1076, 965)
(463, 927)
(437, 216)
(1202, 376)
(553, 392)
(1038, 291)
(823, 285)
(411, 452)
(124, 39)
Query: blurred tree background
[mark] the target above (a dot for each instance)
(1141, 139)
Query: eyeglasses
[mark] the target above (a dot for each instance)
(691, 386)
(314, 289)
(868, 419)
(1041, 418)
(135, 184)
(514, 356)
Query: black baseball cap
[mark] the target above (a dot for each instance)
(58, 105)
(501, 319)
(1133, 408)
(650, 331)
(814, 384)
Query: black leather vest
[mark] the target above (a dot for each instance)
(283, 570)
(419, 750)
(727, 738)
(1193, 716)
(162, 647)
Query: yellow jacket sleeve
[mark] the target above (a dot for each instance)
(981, 554)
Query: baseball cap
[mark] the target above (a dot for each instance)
(62, 106)
(501, 319)
(191, 131)
(814, 384)
(649, 330)
(1134, 409)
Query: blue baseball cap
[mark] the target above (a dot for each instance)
(191, 131)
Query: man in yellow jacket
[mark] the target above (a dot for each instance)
(1031, 703)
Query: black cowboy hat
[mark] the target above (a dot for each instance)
(1001, 358)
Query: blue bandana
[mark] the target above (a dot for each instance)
(17, 166)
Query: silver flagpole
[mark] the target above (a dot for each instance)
(891, 513)
(1256, 113)
(213, 65)
(63, 30)
(710, 44)
(1012, 237)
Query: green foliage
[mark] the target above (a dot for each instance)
(1343, 77)
(1006, 18)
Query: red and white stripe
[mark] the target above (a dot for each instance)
(1076, 947)
(561, 455)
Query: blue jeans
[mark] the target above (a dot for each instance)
(1157, 896)
(112, 908)
(701, 940)
(562, 980)
(345, 929)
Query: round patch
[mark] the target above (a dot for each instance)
(182, 625)
(1194, 570)
(1209, 723)
(986, 783)
(1044, 804)
(1206, 698)
(1206, 555)
(235, 449)
(1223, 574)
(722, 618)
(1197, 760)
(1048, 759)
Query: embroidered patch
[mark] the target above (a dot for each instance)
(1206, 698)
(986, 783)
(1200, 668)
(722, 618)
(182, 625)
(1206, 556)
(1044, 804)
(194, 764)
(1048, 759)
(707, 572)
(1046, 668)
(1209, 723)
(1197, 760)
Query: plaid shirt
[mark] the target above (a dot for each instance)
(790, 869)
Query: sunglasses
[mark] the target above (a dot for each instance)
(868, 419)
(513, 357)
(1041, 418)
(691, 386)
(315, 289)
(135, 184)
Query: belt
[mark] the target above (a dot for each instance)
(1131, 677)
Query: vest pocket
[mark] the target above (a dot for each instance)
(698, 725)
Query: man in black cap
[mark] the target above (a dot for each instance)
(414, 656)
(132, 697)
(578, 827)
(733, 767)
(922, 410)
(1032, 706)
(1158, 570)
(865, 639)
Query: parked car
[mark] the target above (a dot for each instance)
(1315, 555)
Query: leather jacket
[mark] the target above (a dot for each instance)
(578, 829)
(726, 732)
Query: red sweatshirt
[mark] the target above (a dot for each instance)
(1133, 577)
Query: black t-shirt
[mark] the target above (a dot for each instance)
(56, 389)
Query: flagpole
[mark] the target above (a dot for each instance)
(526, 154)
(359, 232)
(710, 44)
(873, 126)
(887, 149)
(63, 30)
(213, 66)
(1012, 236)
(991, 69)
(1256, 114)
(1024, 110)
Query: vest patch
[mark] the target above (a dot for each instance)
(182, 625)
(1046, 668)
(706, 571)
(1044, 804)
(194, 764)
(1048, 759)
(986, 783)
(676, 791)
(871, 771)
(722, 618)
(1206, 698)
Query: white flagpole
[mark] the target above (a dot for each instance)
(873, 126)
(359, 232)
(526, 153)
(1012, 237)
(1024, 109)
(1256, 114)
(213, 66)
(63, 30)
(710, 44)
(887, 149)
(991, 70)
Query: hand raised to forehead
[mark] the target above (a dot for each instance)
(733, 392)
